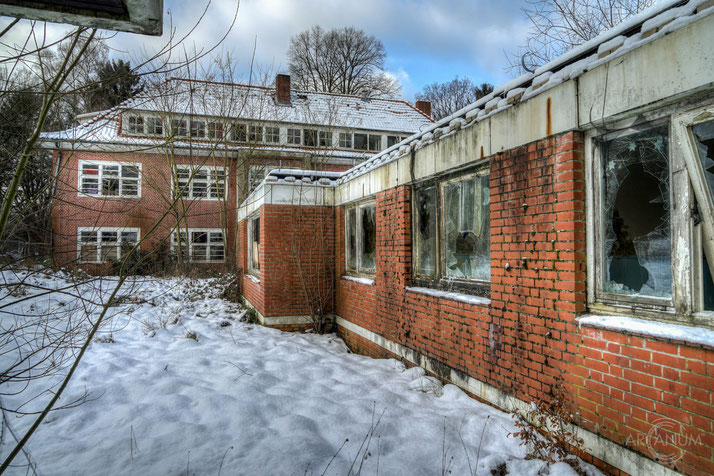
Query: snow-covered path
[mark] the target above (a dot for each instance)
(243, 399)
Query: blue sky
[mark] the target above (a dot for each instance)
(426, 41)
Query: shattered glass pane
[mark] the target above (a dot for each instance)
(707, 286)
(467, 251)
(426, 231)
(636, 219)
(351, 239)
(368, 256)
(704, 135)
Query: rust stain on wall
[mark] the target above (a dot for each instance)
(482, 155)
(548, 118)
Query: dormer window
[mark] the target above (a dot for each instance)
(135, 125)
(198, 129)
(179, 128)
(154, 126)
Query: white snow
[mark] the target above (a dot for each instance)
(244, 399)
(358, 279)
(467, 298)
(662, 330)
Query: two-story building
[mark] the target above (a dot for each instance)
(170, 166)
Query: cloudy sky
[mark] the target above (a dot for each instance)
(425, 40)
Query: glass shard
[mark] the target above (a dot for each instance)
(426, 231)
(636, 218)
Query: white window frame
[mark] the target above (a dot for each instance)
(271, 134)
(255, 134)
(686, 188)
(191, 245)
(152, 123)
(101, 164)
(135, 124)
(324, 139)
(292, 138)
(250, 239)
(359, 268)
(209, 181)
(216, 130)
(179, 128)
(345, 140)
(439, 277)
(99, 245)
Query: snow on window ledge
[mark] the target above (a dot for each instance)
(253, 278)
(467, 298)
(662, 330)
(357, 279)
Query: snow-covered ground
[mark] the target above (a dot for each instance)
(238, 398)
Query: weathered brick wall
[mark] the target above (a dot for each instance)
(297, 243)
(297, 248)
(642, 392)
(70, 210)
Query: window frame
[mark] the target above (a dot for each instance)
(99, 231)
(438, 279)
(175, 182)
(100, 178)
(256, 134)
(190, 243)
(250, 239)
(292, 138)
(358, 269)
(271, 134)
(135, 125)
(154, 126)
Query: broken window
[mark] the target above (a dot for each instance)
(361, 238)
(466, 239)
(254, 245)
(703, 135)
(636, 237)
(392, 140)
(351, 240)
(368, 238)
(425, 231)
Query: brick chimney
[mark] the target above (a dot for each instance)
(282, 88)
(425, 107)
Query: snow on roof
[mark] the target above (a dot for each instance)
(103, 131)
(655, 22)
(238, 101)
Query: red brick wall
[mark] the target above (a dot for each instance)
(296, 243)
(527, 339)
(71, 211)
(628, 386)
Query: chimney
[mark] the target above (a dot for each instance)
(425, 107)
(282, 88)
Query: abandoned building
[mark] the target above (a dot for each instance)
(557, 232)
(173, 163)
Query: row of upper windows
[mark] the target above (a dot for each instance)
(106, 244)
(114, 179)
(634, 218)
(257, 134)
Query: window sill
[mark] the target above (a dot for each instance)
(465, 298)
(253, 278)
(357, 279)
(697, 336)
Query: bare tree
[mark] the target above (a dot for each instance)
(560, 25)
(54, 340)
(344, 61)
(447, 98)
